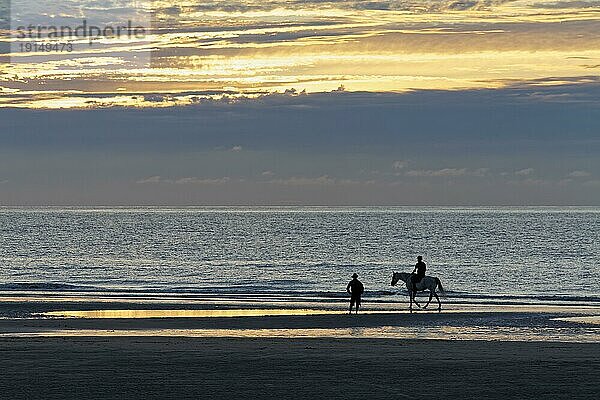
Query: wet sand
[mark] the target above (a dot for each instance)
(511, 323)
(271, 368)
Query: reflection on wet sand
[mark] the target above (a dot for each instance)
(133, 314)
(265, 312)
(486, 333)
(460, 322)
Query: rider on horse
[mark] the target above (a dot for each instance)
(430, 283)
(420, 268)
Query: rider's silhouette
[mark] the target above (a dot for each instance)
(420, 268)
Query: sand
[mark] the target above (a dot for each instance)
(220, 368)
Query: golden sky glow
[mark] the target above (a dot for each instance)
(202, 50)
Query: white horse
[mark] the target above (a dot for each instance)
(427, 283)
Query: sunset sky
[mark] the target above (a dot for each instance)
(305, 102)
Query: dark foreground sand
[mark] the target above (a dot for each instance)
(323, 368)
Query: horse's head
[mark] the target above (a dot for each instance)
(400, 276)
(395, 278)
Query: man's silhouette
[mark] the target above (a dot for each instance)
(356, 289)
(420, 268)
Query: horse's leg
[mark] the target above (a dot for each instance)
(410, 296)
(414, 295)
(415, 299)
(429, 301)
(439, 302)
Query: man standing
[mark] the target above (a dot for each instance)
(420, 268)
(355, 288)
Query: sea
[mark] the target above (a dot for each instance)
(489, 254)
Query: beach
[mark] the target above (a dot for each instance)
(276, 368)
(160, 350)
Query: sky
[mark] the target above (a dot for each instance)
(303, 102)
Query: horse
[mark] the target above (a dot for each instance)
(427, 283)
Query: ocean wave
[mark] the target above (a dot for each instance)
(265, 291)
(533, 296)
(41, 286)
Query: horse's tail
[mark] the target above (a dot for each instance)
(439, 285)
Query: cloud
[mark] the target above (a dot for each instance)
(151, 179)
(439, 47)
(157, 98)
(532, 182)
(184, 181)
(438, 172)
(301, 181)
(576, 4)
(447, 172)
(294, 92)
(323, 180)
(524, 172)
(462, 5)
(400, 164)
(579, 174)
(202, 181)
(481, 172)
